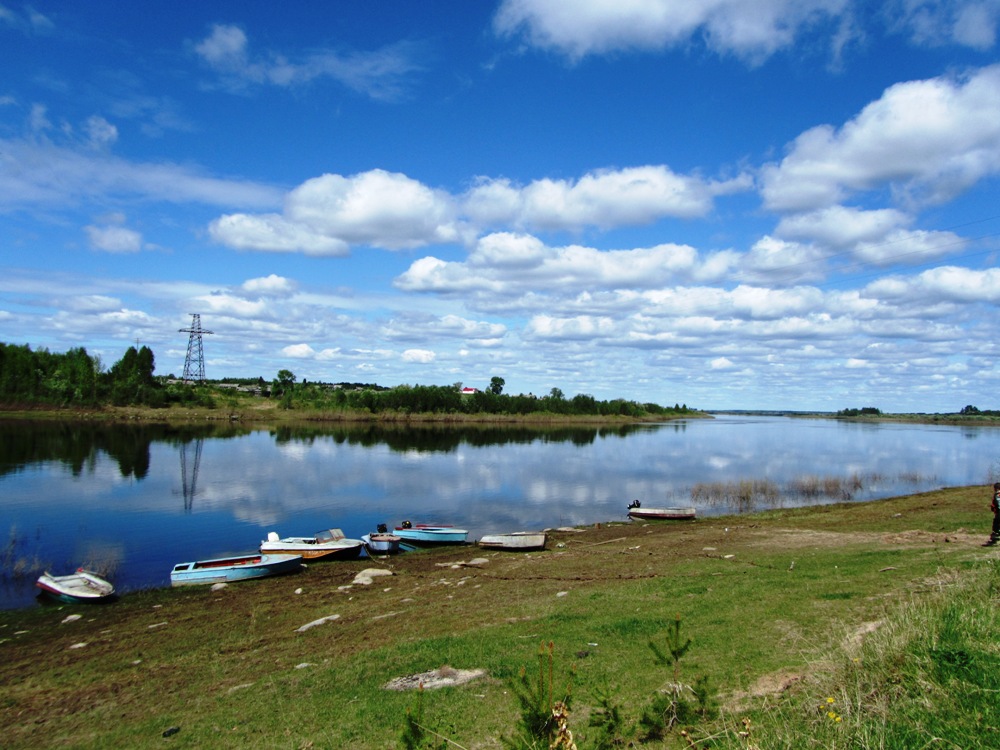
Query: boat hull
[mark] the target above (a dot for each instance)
(518, 541)
(429, 536)
(342, 549)
(662, 514)
(76, 588)
(382, 544)
(231, 569)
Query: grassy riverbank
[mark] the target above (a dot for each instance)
(265, 412)
(853, 625)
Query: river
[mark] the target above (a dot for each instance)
(135, 500)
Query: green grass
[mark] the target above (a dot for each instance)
(774, 598)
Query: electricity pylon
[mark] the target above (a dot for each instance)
(194, 362)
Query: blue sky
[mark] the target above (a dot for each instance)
(727, 204)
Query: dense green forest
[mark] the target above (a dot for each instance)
(38, 378)
(77, 379)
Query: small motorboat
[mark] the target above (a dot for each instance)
(382, 542)
(635, 510)
(81, 586)
(515, 541)
(425, 534)
(229, 569)
(330, 544)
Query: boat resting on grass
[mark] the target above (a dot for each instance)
(81, 586)
(515, 541)
(330, 544)
(382, 542)
(428, 535)
(229, 569)
(635, 510)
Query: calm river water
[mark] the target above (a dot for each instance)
(136, 500)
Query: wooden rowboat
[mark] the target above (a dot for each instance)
(229, 569)
(81, 586)
(515, 541)
(661, 514)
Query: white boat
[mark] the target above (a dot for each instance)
(81, 586)
(515, 541)
(330, 544)
(635, 510)
(382, 542)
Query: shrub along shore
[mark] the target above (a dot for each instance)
(851, 625)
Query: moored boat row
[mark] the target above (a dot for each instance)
(279, 555)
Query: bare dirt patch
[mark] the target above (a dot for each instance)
(811, 538)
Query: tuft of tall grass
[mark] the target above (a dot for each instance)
(744, 495)
(748, 495)
(15, 563)
(928, 675)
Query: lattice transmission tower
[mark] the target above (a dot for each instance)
(194, 362)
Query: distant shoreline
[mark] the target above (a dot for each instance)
(269, 413)
(981, 420)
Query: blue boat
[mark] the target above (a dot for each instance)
(425, 534)
(229, 569)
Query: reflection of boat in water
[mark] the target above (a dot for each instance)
(515, 541)
(635, 510)
(330, 544)
(425, 534)
(229, 569)
(382, 542)
(81, 586)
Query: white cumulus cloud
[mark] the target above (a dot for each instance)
(299, 351)
(752, 31)
(504, 263)
(929, 140)
(326, 215)
(604, 198)
(419, 356)
(271, 285)
(114, 239)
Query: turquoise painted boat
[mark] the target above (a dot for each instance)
(230, 569)
(425, 534)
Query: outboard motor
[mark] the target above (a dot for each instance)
(634, 504)
(382, 529)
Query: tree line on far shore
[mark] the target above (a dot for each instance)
(76, 379)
